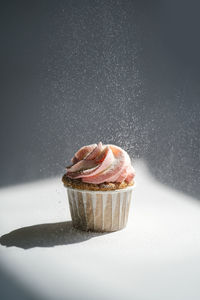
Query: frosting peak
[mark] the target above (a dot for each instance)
(101, 163)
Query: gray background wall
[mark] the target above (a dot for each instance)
(77, 72)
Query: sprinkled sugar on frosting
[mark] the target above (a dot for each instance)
(100, 163)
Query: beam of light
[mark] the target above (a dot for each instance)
(155, 257)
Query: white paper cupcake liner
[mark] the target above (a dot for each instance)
(99, 210)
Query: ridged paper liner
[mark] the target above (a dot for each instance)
(99, 210)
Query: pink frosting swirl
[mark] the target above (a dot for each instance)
(101, 163)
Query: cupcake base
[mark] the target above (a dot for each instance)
(98, 210)
(106, 186)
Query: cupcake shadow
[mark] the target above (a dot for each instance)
(46, 235)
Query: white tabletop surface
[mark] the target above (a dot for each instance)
(156, 257)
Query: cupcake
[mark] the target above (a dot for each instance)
(99, 185)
